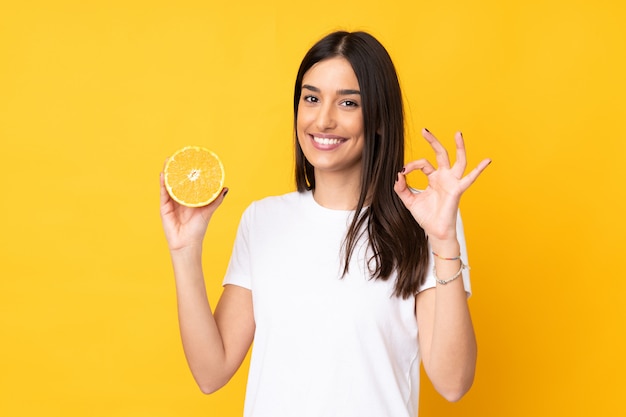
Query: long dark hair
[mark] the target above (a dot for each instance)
(396, 240)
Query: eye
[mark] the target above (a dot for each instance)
(349, 103)
(310, 99)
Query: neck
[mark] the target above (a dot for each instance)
(337, 192)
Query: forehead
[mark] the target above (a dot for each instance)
(333, 73)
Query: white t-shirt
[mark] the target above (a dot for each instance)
(324, 345)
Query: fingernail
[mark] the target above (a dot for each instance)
(427, 130)
(461, 133)
(225, 192)
(403, 169)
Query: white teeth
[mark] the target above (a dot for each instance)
(326, 141)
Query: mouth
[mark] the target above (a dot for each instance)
(326, 142)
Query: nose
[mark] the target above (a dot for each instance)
(326, 117)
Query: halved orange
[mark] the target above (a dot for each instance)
(194, 176)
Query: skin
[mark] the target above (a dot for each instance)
(330, 108)
(216, 343)
(446, 335)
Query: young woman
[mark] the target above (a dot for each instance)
(348, 283)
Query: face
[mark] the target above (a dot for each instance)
(329, 123)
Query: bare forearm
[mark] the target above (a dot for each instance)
(200, 334)
(451, 358)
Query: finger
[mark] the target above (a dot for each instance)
(220, 198)
(164, 196)
(461, 156)
(401, 188)
(400, 182)
(441, 155)
(218, 201)
(214, 205)
(473, 174)
(421, 164)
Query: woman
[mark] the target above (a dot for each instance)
(332, 282)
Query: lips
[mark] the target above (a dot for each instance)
(326, 142)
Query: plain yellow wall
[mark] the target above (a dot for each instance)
(95, 95)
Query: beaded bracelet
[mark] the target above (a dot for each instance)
(456, 258)
(453, 277)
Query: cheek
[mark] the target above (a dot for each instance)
(356, 125)
(303, 121)
(300, 125)
(304, 116)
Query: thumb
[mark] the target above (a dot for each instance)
(401, 188)
(217, 202)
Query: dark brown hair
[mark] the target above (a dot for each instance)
(396, 240)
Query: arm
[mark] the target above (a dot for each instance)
(215, 344)
(446, 335)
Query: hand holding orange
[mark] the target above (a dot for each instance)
(194, 176)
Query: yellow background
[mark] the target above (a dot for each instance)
(94, 95)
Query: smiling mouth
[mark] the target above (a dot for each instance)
(327, 141)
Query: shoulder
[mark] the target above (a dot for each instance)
(274, 217)
(277, 202)
(276, 206)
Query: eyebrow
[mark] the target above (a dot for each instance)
(342, 92)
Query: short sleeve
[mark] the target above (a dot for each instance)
(430, 281)
(239, 271)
